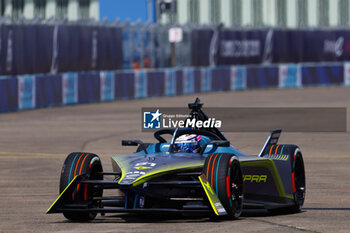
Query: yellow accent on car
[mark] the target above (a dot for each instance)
(142, 168)
(48, 210)
(208, 195)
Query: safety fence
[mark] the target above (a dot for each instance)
(56, 47)
(40, 48)
(45, 90)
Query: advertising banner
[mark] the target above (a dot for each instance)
(26, 92)
(188, 80)
(140, 84)
(69, 88)
(289, 76)
(238, 78)
(206, 79)
(107, 86)
(243, 46)
(347, 73)
(170, 82)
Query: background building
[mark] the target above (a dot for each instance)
(70, 9)
(259, 13)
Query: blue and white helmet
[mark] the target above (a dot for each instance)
(189, 143)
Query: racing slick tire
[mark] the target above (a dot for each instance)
(298, 178)
(224, 173)
(76, 164)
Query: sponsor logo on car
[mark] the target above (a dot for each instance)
(255, 178)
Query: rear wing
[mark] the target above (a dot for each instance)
(271, 140)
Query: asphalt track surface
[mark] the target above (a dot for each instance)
(34, 144)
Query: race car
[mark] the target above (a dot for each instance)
(197, 172)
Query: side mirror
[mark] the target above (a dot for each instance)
(131, 142)
(215, 143)
(134, 143)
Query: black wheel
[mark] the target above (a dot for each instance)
(224, 173)
(77, 164)
(299, 180)
(298, 176)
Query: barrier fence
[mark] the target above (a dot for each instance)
(56, 47)
(45, 90)
(39, 48)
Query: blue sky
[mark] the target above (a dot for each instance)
(123, 9)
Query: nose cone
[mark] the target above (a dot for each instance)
(137, 169)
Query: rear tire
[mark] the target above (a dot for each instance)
(77, 164)
(298, 182)
(224, 173)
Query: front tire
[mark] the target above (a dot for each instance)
(77, 164)
(224, 173)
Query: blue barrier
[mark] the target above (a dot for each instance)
(262, 77)
(124, 86)
(26, 92)
(156, 79)
(69, 88)
(48, 90)
(8, 94)
(322, 75)
(197, 76)
(188, 81)
(88, 87)
(179, 82)
(39, 91)
(238, 78)
(141, 84)
(107, 86)
(221, 80)
(289, 76)
(170, 82)
(206, 79)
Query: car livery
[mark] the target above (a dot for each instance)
(216, 180)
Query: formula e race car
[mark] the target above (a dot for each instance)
(197, 172)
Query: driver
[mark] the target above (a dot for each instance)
(188, 143)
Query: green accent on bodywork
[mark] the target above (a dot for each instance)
(269, 164)
(212, 197)
(125, 167)
(160, 172)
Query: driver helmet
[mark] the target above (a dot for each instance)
(189, 143)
